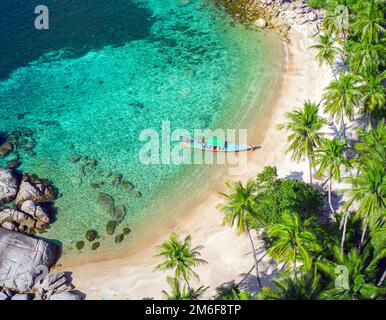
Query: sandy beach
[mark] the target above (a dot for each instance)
(130, 275)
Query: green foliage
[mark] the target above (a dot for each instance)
(232, 293)
(305, 287)
(181, 293)
(239, 205)
(361, 271)
(327, 49)
(274, 196)
(304, 125)
(293, 240)
(369, 191)
(372, 145)
(329, 157)
(341, 97)
(179, 256)
(317, 3)
(369, 20)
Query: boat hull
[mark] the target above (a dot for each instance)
(230, 147)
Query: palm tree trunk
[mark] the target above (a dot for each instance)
(382, 278)
(345, 217)
(329, 195)
(342, 125)
(254, 257)
(310, 168)
(363, 234)
(295, 267)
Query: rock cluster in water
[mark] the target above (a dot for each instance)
(89, 170)
(25, 260)
(280, 14)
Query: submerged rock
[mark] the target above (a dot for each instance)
(5, 149)
(91, 235)
(74, 158)
(119, 213)
(117, 178)
(95, 245)
(110, 227)
(95, 185)
(126, 231)
(137, 194)
(79, 245)
(91, 163)
(8, 185)
(13, 164)
(119, 238)
(127, 185)
(105, 202)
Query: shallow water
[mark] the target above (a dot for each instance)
(101, 75)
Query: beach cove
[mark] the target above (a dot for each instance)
(130, 274)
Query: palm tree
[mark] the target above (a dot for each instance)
(293, 240)
(373, 92)
(239, 210)
(337, 23)
(179, 256)
(179, 293)
(305, 287)
(327, 51)
(372, 145)
(368, 23)
(369, 191)
(341, 97)
(354, 274)
(232, 293)
(305, 126)
(364, 55)
(330, 157)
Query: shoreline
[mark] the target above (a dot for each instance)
(130, 275)
(169, 217)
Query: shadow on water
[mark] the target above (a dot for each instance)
(77, 26)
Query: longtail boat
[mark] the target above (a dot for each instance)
(216, 145)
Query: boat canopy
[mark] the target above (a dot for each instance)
(216, 142)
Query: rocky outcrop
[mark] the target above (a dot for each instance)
(23, 259)
(35, 210)
(283, 15)
(8, 185)
(34, 189)
(13, 215)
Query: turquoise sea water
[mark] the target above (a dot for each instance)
(106, 72)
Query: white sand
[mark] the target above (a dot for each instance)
(131, 276)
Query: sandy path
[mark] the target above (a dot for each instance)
(131, 275)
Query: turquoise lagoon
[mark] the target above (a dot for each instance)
(112, 71)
